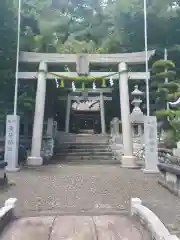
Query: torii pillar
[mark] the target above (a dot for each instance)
(35, 159)
(128, 160)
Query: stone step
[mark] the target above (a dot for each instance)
(75, 157)
(84, 154)
(84, 139)
(90, 162)
(84, 150)
(84, 136)
(87, 137)
(85, 146)
(85, 142)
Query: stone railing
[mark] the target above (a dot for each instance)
(3, 176)
(164, 156)
(170, 172)
(150, 221)
(7, 213)
(169, 167)
(170, 177)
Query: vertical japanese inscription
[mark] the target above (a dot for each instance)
(12, 140)
(152, 136)
(9, 138)
(10, 135)
(151, 150)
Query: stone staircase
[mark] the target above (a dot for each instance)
(85, 148)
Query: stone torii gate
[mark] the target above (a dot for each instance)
(122, 76)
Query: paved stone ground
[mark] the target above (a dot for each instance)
(88, 190)
(76, 228)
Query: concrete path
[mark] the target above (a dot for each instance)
(76, 228)
(89, 190)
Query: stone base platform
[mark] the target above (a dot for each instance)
(76, 227)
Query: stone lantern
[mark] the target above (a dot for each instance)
(137, 116)
(137, 100)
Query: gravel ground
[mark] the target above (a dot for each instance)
(88, 189)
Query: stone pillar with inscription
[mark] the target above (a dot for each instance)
(12, 142)
(151, 144)
(35, 159)
(128, 160)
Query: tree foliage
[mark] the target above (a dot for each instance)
(92, 26)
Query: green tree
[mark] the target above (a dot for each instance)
(76, 26)
(7, 56)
